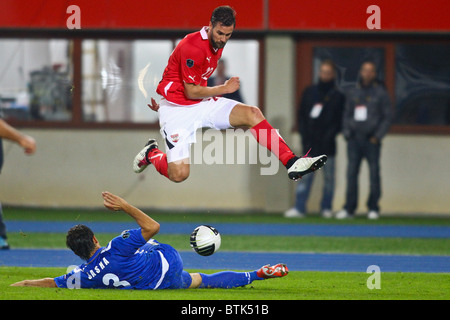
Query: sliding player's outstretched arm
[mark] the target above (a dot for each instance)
(148, 226)
(42, 283)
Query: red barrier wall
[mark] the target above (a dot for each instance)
(350, 15)
(257, 15)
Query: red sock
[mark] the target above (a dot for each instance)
(267, 136)
(159, 160)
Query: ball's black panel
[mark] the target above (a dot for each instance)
(205, 251)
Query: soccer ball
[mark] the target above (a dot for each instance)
(205, 240)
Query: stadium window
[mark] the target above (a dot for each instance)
(102, 79)
(241, 59)
(36, 79)
(415, 72)
(422, 84)
(119, 77)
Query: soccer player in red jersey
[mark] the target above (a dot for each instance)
(189, 104)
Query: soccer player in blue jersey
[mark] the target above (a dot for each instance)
(134, 260)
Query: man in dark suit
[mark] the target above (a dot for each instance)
(319, 121)
(367, 118)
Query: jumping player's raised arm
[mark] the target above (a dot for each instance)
(193, 91)
(149, 227)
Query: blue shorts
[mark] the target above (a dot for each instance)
(176, 277)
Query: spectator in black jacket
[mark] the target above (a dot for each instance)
(319, 121)
(367, 118)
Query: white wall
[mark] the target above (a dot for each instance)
(415, 176)
(279, 99)
(72, 167)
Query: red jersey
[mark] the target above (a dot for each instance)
(193, 61)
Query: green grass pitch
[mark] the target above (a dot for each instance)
(298, 285)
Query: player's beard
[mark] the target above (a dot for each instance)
(218, 44)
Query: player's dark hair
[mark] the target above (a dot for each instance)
(225, 15)
(80, 240)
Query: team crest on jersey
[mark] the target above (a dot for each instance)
(175, 137)
(126, 234)
(190, 63)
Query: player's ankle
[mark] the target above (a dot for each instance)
(291, 161)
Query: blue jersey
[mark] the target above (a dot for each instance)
(129, 262)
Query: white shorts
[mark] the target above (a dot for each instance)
(179, 124)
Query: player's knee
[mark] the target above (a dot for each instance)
(179, 178)
(254, 116)
(179, 175)
(178, 171)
